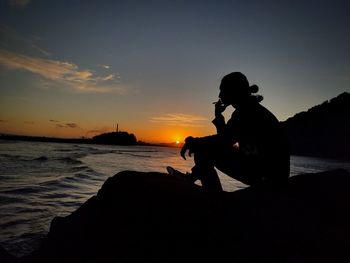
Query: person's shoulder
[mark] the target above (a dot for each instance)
(266, 112)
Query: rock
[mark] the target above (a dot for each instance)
(6, 257)
(138, 217)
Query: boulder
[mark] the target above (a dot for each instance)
(155, 217)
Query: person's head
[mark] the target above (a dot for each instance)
(235, 89)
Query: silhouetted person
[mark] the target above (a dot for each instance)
(250, 147)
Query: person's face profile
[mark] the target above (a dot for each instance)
(224, 95)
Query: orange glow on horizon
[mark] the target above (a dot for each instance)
(169, 134)
(153, 134)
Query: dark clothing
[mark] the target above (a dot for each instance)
(251, 147)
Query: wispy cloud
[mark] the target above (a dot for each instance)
(54, 121)
(41, 50)
(71, 125)
(11, 40)
(64, 72)
(104, 66)
(19, 3)
(51, 69)
(179, 119)
(109, 77)
(67, 125)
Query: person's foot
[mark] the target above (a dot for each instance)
(173, 171)
(187, 176)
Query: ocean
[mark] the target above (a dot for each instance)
(39, 181)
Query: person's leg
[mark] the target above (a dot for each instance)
(230, 162)
(204, 170)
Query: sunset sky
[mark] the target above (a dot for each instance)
(73, 68)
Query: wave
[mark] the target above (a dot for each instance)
(78, 177)
(64, 150)
(25, 190)
(82, 176)
(6, 199)
(58, 184)
(41, 158)
(139, 155)
(141, 151)
(78, 168)
(14, 222)
(9, 142)
(69, 160)
(92, 150)
(55, 195)
(14, 157)
(5, 177)
(66, 159)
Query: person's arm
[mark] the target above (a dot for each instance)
(219, 120)
(219, 123)
(228, 132)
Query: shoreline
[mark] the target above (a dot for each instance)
(6, 137)
(79, 140)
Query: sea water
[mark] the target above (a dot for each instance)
(39, 181)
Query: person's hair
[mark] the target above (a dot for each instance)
(254, 89)
(239, 82)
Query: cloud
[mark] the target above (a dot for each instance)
(41, 50)
(63, 72)
(71, 125)
(10, 39)
(19, 3)
(109, 77)
(104, 66)
(67, 125)
(179, 119)
(51, 69)
(53, 121)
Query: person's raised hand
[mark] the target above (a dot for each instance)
(187, 146)
(219, 108)
(183, 151)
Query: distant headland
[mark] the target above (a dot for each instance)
(110, 138)
(115, 138)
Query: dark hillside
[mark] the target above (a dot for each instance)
(323, 130)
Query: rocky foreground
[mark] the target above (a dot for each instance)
(154, 217)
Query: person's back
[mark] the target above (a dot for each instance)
(262, 143)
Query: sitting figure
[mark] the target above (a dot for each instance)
(251, 147)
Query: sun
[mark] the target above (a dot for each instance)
(177, 142)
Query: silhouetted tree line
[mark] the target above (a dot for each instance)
(323, 130)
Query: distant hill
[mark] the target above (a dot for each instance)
(118, 138)
(323, 130)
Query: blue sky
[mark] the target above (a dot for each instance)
(154, 67)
